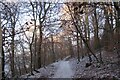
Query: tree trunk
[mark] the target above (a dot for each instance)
(70, 47)
(2, 56)
(40, 45)
(111, 32)
(0, 49)
(108, 32)
(23, 56)
(12, 54)
(34, 67)
(52, 45)
(96, 38)
(81, 48)
(87, 37)
(44, 55)
(78, 47)
(31, 60)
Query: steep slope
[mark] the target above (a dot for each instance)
(109, 69)
(71, 68)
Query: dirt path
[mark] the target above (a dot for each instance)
(64, 70)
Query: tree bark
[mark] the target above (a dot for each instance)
(78, 47)
(12, 49)
(96, 38)
(40, 45)
(2, 61)
(23, 56)
(0, 49)
(52, 45)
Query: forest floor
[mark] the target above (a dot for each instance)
(71, 68)
(60, 69)
(64, 70)
(109, 69)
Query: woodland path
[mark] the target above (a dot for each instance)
(64, 70)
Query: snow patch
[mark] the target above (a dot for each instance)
(64, 70)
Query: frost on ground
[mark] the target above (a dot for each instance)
(64, 70)
(71, 68)
(44, 72)
(60, 69)
(109, 69)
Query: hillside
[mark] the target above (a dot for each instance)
(71, 68)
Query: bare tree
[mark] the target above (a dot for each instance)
(0, 48)
(77, 26)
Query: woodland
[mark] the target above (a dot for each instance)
(35, 34)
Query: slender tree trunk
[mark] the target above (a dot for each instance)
(44, 54)
(108, 32)
(34, 67)
(2, 56)
(12, 54)
(78, 47)
(52, 45)
(40, 45)
(23, 57)
(31, 60)
(0, 49)
(87, 37)
(81, 48)
(96, 38)
(70, 47)
(24, 64)
(111, 33)
(3, 62)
